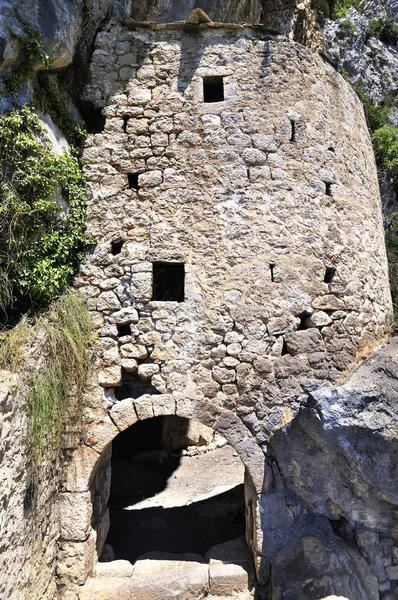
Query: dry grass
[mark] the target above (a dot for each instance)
(364, 352)
(64, 336)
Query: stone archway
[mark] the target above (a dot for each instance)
(83, 531)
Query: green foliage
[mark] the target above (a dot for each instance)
(50, 99)
(376, 115)
(335, 9)
(386, 30)
(39, 248)
(31, 54)
(340, 8)
(54, 395)
(346, 28)
(385, 143)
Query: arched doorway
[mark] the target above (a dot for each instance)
(176, 487)
(84, 513)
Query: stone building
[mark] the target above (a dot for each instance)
(240, 261)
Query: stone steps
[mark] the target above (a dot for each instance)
(160, 576)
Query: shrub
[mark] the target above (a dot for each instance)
(385, 143)
(40, 248)
(322, 11)
(340, 8)
(386, 30)
(346, 28)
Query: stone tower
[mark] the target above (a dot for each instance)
(240, 259)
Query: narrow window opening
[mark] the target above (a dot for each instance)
(133, 181)
(117, 247)
(29, 497)
(92, 117)
(168, 282)
(328, 189)
(125, 123)
(284, 349)
(330, 272)
(213, 89)
(123, 330)
(271, 268)
(293, 132)
(331, 149)
(303, 321)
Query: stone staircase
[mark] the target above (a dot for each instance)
(227, 572)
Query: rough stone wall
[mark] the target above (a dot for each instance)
(222, 189)
(28, 533)
(280, 173)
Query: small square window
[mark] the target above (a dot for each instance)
(168, 282)
(213, 89)
(123, 330)
(116, 247)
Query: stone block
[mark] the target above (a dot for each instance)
(304, 342)
(136, 351)
(150, 179)
(80, 469)
(147, 370)
(75, 561)
(101, 435)
(123, 414)
(110, 376)
(115, 568)
(143, 407)
(175, 576)
(75, 515)
(163, 404)
(227, 579)
(107, 588)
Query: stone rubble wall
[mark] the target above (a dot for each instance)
(222, 189)
(28, 534)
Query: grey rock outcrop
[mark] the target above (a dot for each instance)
(316, 563)
(379, 8)
(367, 61)
(337, 459)
(64, 25)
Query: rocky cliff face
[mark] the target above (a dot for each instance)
(337, 462)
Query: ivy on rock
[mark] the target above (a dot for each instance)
(42, 214)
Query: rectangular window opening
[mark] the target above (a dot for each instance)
(116, 247)
(123, 330)
(330, 272)
(133, 181)
(168, 282)
(213, 89)
(328, 189)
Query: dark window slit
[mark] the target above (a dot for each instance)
(330, 272)
(133, 181)
(271, 268)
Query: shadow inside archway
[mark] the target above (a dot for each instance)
(164, 501)
(178, 530)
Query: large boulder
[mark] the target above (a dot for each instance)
(317, 564)
(337, 459)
